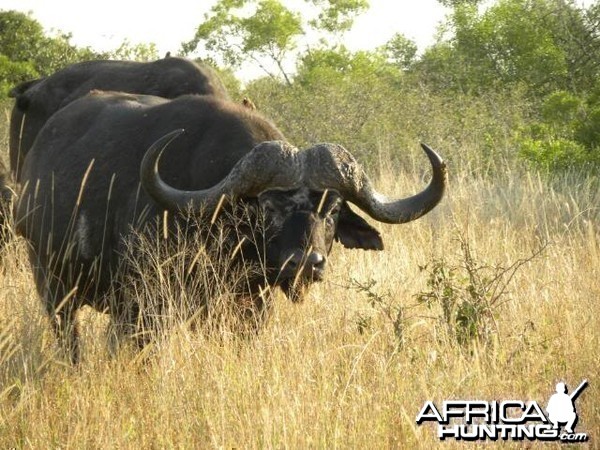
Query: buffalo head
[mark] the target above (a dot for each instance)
(302, 198)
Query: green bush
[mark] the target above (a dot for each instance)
(562, 108)
(555, 154)
(588, 131)
(566, 135)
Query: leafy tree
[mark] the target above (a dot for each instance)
(20, 39)
(588, 131)
(20, 36)
(337, 15)
(544, 44)
(566, 134)
(401, 51)
(26, 52)
(11, 72)
(270, 34)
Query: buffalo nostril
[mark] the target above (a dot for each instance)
(316, 261)
(309, 265)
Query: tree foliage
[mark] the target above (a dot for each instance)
(543, 44)
(20, 36)
(337, 15)
(30, 51)
(270, 33)
(400, 51)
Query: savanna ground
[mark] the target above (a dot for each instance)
(494, 295)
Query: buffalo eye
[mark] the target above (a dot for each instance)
(332, 215)
(335, 210)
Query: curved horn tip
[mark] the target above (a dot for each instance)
(154, 153)
(177, 132)
(433, 156)
(167, 138)
(164, 141)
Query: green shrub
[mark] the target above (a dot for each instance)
(555, 154)
(566, 136)
(588, 131)
(468, 293)
(561, 108)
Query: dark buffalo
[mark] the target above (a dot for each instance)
(37, 100)
(93, 176)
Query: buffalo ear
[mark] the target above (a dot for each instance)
(354, 232)
(19, 92)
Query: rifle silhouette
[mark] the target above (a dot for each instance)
(578, 390)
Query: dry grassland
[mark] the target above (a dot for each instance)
(351, 366)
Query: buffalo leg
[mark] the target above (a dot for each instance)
(64, 324)
(127, 324)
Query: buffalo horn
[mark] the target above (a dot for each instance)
(335, 168)
(276, 164)
(271, 163)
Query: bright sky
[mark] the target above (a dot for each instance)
(105, 24)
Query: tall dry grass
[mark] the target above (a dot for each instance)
(350, 367)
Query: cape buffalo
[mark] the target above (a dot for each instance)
(37, 100)
(93, 176)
